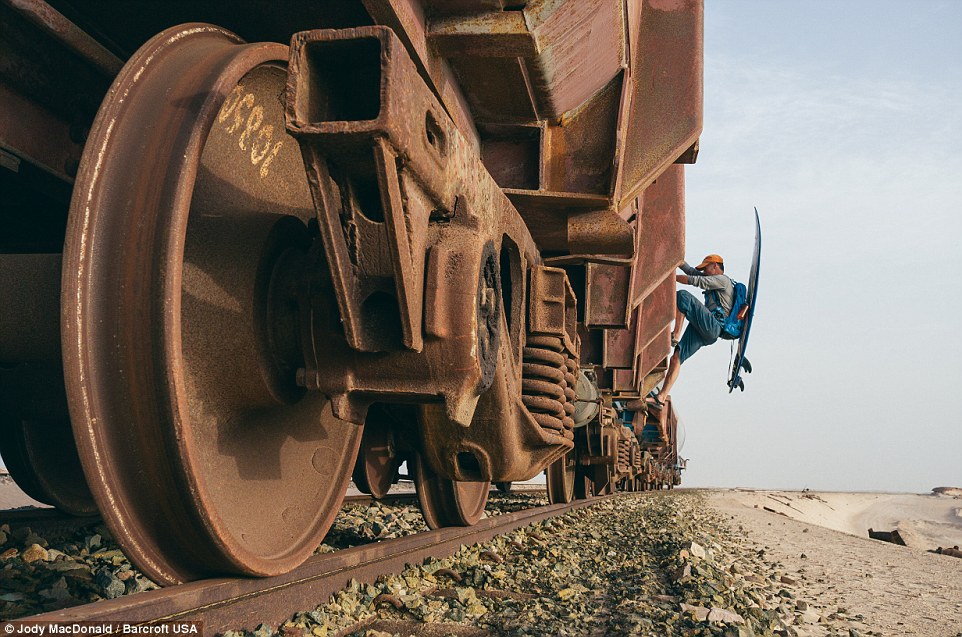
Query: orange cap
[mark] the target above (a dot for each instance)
(711, 258)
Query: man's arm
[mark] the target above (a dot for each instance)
(688, 271)
(698, 279)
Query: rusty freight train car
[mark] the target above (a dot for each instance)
(251, 249)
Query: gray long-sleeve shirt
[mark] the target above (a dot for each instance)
(720, 282)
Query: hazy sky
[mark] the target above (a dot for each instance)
(842, 122)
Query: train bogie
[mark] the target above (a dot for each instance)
(356, 235)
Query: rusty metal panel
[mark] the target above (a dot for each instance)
(546, 213)
(660, 235)
(656, 354)
(665, 110)
(486, 35)
(657, 312)
(495, 89)
(69, 35)
(624, 380)
(582, 47)
(512, 154)
(52, 76)
(550, 303)
(579, 150)
(367, 121)
(606, 296)
(574, 223)
(460, 7)
(569, 50)
(619, 346)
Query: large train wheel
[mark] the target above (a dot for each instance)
(561, 479)
(378, 460)
(179, 322)
(584, 485)
(447, 502)
(36, 440)
(42, 460)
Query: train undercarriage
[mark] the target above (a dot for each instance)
(250, 253)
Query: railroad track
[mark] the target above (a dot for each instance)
(51, 520)
(241, 603)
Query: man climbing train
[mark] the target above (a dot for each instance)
(705, 320)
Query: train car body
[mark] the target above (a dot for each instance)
(251, 250)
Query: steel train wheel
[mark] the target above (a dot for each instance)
(560, 476)
(36, 440)
(584, 485)
(179, 324)
(378, 460)
(447, 502)
(42, 460)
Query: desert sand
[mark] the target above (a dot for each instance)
(821, 540)
(923, 521)
(11, 497)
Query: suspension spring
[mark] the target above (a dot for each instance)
(624, 458)
(546, 389)
(571, 375)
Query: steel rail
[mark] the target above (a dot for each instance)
(240, 603)
(51, 518)
(47, 519)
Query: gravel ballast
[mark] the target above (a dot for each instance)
(62, 569)
(660, 563)
(649, 564)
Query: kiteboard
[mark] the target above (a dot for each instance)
(741, 363)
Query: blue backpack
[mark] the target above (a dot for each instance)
(733, 323)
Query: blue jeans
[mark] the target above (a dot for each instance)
(703, 328)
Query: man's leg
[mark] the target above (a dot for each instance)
(699, 320)
(674, 366)
(679, 322)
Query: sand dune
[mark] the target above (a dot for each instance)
(11, 497)
(923, 521)
(820, 541)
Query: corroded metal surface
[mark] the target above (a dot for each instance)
(445, 502)
(560, 479)
(36, 441)
(380, 455)
(439, 211)
(660, 233)
(30, 314)
(606, 296)
(665, 105)
(563, 53)
(39, 452)
(169, 277)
